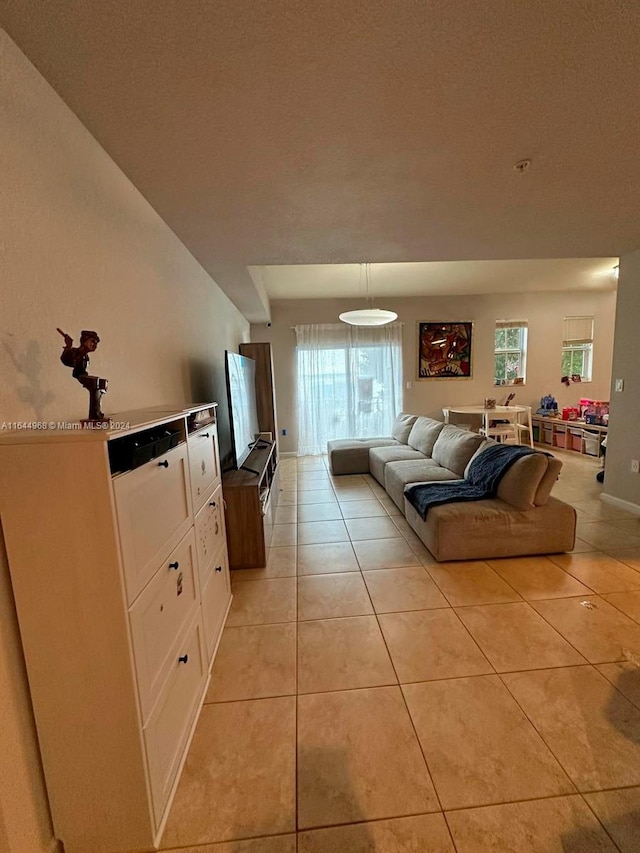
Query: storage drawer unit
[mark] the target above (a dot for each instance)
(153, 505)
(168, 728)
(216, 597)
(204, 466)
(160, 614)
(210, 531)
(107, 584)
(570, 434)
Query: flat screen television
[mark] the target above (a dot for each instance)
(241, 394)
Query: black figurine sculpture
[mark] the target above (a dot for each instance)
(78, 359)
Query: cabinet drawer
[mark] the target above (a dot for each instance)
(210, 534)
(216, 592)
(204, 466)
(159, 615)
(153, 505)
(169, 726)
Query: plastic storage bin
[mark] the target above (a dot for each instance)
(574, 440)
(591, 442)
(560, 439)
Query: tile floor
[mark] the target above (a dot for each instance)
(365, 698)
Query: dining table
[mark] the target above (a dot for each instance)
(495, 413)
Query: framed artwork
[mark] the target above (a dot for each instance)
(444, 350)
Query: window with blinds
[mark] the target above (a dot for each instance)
(510, 352)
(577, 347)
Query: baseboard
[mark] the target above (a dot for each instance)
(627, 505)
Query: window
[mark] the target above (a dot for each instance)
(511, 352)
(577, 347)
(349, 382)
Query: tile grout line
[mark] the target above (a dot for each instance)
(536, 729)
(375, 615)
(557, 630)
(406, 707)
(602, 824)
(450, 606)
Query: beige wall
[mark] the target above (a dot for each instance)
(80, 248)
(623, 443)
(544, 312)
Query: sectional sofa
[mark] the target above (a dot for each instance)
(522, 519)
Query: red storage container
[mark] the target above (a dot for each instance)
(575, 441)
(560, 439)
(570, 413)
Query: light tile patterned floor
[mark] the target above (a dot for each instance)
(365, 698)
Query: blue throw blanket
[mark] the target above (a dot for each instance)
(485, 472)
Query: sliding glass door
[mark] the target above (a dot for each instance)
(349, 383)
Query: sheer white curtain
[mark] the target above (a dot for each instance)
(349, 382)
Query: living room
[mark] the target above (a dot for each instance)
(593, 294)
(83, 247)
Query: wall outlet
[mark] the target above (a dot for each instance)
(635, 466)
(284, 432)
(408, 385)
(619, 385)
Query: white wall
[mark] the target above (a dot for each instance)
(80, 248)
(623, 443)
(544, 313)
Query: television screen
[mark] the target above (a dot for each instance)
(241, 392)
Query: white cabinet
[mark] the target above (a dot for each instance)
(121, 581)
(158, 617)
(153, 506)
(204, 464)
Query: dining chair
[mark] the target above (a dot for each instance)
(509, 429)
(526, 427)
(506, 432)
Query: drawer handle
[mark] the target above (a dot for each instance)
(164, 464)
(174, 566)
(183, 659)
(212, 503)
(205, 435)
(218, 568)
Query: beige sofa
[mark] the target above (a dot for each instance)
(522, 519)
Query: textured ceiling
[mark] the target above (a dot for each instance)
(439, 278)
(322, 131)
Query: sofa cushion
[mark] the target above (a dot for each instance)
(454, 448)
(518, 486)
(351, 455)
(548, 479)
(379, 456)
(398, 474)
(423, 435)
(486, 443)
(402, 427)
(482, 530)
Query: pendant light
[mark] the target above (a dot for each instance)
(368, 316)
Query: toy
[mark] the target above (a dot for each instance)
(548, 406)
(78, 359)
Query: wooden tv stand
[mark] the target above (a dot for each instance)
(251, 497)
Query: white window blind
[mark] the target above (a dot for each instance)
(577, 347)
(511, 324)
(577, 330)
